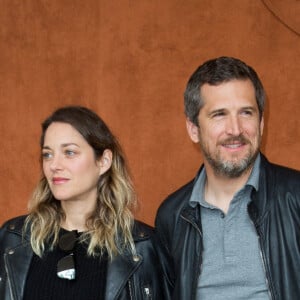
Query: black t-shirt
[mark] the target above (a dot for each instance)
(89, 284)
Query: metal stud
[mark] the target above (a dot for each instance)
(136, 258)
(12, 226)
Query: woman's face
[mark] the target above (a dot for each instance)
(69, 164)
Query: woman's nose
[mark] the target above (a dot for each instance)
(56, 163)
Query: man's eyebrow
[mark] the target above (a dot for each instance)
(219, 110)
(249, 107)
(222, 110)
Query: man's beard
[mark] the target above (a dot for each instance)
(231, 168)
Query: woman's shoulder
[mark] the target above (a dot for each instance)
(11, 232)
(142, 231)
(14, 224)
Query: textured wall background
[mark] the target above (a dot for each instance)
(130, 61)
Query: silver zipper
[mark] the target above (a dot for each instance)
(147, 293)
(263, 261)
(8, 277)
(130, 289)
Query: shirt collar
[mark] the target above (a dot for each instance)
(198, 189)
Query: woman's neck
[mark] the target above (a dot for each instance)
(75, 216)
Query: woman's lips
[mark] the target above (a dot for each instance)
(59, 180)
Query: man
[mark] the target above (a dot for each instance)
(234, 231)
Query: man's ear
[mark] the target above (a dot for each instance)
(105, 161)
(262, 122)
(193, 130)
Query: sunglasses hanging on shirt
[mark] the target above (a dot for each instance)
(66, 265)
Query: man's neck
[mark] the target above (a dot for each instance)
(220, 190)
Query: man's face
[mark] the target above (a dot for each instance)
(230, 128)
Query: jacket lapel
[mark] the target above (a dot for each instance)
(118, 273)
(17, 261)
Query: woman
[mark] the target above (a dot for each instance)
(79, 240)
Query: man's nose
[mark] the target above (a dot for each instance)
(234, 126)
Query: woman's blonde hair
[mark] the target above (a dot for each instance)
(110, 225)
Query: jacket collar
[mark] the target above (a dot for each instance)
(260, 200)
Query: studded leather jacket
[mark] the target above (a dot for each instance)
(275, 212)
(128, 277)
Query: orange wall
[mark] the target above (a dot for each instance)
(130, 61)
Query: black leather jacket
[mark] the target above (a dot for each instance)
(128, 277)
(275, 213)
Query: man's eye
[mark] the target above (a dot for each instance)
(247, 112)
(218, 114)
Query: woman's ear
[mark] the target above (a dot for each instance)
(105, 161)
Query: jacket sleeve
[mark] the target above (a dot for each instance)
(11, 243)
(165, 265)
(4, 244)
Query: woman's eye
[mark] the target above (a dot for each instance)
(46, 155)
(70, 152)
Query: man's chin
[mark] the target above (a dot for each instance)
(235, 167)
(234, 157)
(230, 168)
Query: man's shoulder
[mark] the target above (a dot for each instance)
(280, 173)
(280, 183)
(178, 198)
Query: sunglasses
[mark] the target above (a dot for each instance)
(66, 265)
